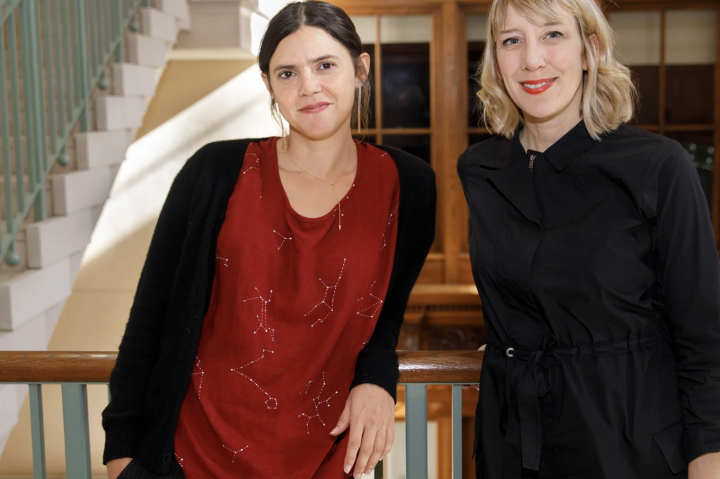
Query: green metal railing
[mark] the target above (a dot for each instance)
(53, 54)
(75, 370)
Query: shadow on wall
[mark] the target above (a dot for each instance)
(94, 316)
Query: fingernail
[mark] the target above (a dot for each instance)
(368, 471)
(347, 469)
(333, 432)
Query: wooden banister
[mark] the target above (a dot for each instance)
(95, 367)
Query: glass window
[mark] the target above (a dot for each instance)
(418, 145)
(405, 60)
(690, 70)
(637, 40)
(700, 146)
(476, 29)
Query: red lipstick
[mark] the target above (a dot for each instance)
(533, 88)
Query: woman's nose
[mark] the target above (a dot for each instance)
(534, 57)
(308, 85)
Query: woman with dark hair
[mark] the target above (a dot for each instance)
(261, 342)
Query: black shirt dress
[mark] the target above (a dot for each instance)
(600, 282)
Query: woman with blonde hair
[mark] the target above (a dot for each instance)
(594, 255)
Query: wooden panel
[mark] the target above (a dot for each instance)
(444, 294)
(432, 272)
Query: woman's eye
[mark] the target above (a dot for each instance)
(511, 41)
(285, 75)
(554, 35)
(326, 66)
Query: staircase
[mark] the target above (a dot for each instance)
(47, 254)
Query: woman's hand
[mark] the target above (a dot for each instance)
(370, 413)
(116, 466)
(705, 467)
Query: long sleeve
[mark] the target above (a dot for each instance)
(378, 361)
(140, 346)
(689, 271)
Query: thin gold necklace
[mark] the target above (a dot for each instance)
(332, 184)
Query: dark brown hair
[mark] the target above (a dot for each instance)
(329, 18)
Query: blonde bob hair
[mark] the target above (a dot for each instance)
(609, 94)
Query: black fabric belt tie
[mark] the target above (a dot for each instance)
(534, 383)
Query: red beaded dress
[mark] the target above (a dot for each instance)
(293, 302)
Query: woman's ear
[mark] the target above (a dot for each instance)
(266, 81)
(595, 47)
(364, 67)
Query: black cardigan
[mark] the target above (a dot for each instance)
(157, 352)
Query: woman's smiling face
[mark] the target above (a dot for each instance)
(313, 80)
(542, 65)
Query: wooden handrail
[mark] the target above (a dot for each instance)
(95, 367)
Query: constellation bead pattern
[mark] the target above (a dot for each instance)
(257, 162)
(330, 306)
(316, 403)
(390, 220)
(263, 316)
(235, 453)
(270, 402)
(179, 460)
(284, 239)
(374, 307)
(224, 260)
(202, 375)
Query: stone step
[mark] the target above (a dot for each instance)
(29, 293)
(79, 190)
(59, 237)
(97, 149)
(158, 24)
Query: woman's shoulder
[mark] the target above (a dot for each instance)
(636, 141)
(408, 165)
(492, 153)
(223, 152)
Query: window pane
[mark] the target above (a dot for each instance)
(418, 145)
(638, 47)
(406, 70)
(690, 67)
(366, 27)
(476, 35)
(647, 79)
(700, 147)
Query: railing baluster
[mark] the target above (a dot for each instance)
(36, 130)
(81, 62)
(457, 431)
(60, 79)
(416, 431)
(77, 438)
(28, 97)
(68, 62)
(5, 135)
(118, 24)
(50, 75)
(38, 431)
(17, 125)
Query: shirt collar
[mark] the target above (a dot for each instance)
(568, 148)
